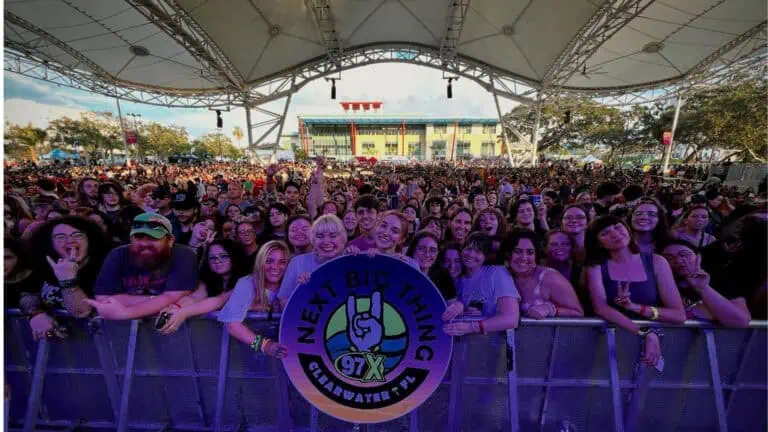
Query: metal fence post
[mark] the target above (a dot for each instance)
(125, 398)
(221, 385)
(106, 360)
(514, 416)
(550, 375)
(717, 385)
(36, 391)
(618, 416)
(458, 363)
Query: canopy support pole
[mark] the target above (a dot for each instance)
(535, 133)
(668, 149)
(122, 128)
(504, 138)
(282, 121)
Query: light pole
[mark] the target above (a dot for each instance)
(136, 128)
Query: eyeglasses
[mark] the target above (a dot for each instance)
(218, 258)
(76, 236)
(426, 250)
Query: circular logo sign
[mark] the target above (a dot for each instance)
(365, 339)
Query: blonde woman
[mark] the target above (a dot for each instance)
(258, 292)
(328, 237)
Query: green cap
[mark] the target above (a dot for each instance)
(151, 224)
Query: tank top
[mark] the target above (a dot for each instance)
(644, 292)
(536, 298)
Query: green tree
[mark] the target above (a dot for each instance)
(218, 144)
(163, 141)
(24, 142)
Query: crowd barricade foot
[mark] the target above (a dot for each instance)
(569, 375)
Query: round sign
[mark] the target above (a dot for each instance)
(365, 339)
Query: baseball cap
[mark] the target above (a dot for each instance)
(151, 224)
(161, 192)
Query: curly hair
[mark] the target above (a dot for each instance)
(42, 243)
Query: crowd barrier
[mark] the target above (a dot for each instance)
(572, 375)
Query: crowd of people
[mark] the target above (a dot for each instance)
(175, 242)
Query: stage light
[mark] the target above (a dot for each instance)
(333, 88)
(450, 88)
(219, 120)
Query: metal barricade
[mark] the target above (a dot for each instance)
(550, 375)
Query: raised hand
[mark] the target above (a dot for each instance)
(453, 310)
(623, 298)
(365, 329)
(302, 279)
(65, 268)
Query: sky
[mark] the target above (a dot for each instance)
(404, 89)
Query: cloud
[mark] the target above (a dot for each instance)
(403, 88)
(23, 111)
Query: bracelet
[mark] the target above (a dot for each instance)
(643, 332)
(256, 344)
(654, 313)
(481, 324)
(69, 283)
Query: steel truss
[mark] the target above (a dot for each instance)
(326, 25)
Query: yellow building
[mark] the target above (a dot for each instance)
(397, 136)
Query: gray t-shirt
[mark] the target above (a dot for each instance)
(305, 263)
(487, 286)
(239, 303)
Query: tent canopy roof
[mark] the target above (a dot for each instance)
(219, 46)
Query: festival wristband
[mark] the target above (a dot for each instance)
(643, 309)
(654, 313)
(256, 344)
(69, 283)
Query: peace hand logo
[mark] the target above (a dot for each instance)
(365, 328)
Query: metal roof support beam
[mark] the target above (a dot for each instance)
(704, 66)
(457, 14)
(176, 23)
(326, 25)
(611, 17)
(34, 49)
(282, 122)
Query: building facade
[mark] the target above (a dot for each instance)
(396, 136)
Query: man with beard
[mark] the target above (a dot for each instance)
(145, 276)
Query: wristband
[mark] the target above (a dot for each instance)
(256, 344)
(69, 283)
(654, 313)
(643, 309)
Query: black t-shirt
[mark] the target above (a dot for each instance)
(13, 290)
(443, 282)
(120, 275)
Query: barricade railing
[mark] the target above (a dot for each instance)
(548, 375)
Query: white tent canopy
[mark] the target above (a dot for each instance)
(215, 51)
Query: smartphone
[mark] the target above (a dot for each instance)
(535, 200)
(162, 320)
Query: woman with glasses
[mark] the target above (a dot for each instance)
(246, 235)
(701, 301)
(692, 225)
(484, 290)
(544, 291)
(328, 237)
(299, 227)
(350, 223)
(223, 265)
(574, 223)
(625, 283)
(424, 248)
(68, 255)
(649, 226)
(258, 292)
